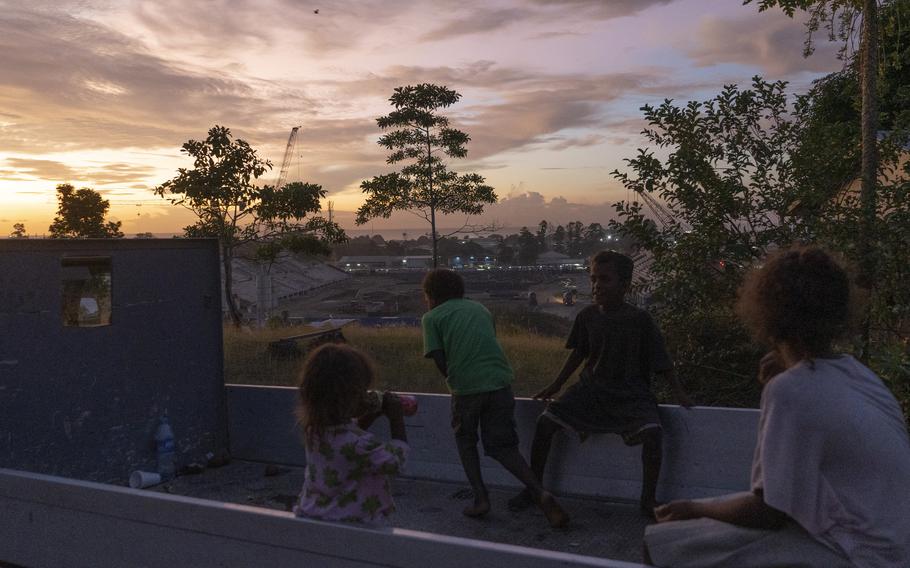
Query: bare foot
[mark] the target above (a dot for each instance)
(555, 514)
(521, 501)
(480, 508)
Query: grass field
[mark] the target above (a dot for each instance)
(398, 353)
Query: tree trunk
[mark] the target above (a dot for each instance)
(432, 197)
(227, 256)
(869, 166)
(433, 235)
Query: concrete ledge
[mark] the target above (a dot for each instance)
(707, 451)
(51, 521)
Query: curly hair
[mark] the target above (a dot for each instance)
(331, 387)
(622, 264)
(800, 296)
(441, 284)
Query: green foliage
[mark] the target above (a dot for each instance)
(228, 205)
(894, 66)
(892, 363)
(827, 163)
(837, 17)
(559, 239)
(219, 190)
(80, 214)
(575, 245)
(425, 185)
(528, 247)
(725, 183)
(743, 176)
(18, 231)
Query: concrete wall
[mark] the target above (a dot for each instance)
(84, 402)
(707, 451)
(50, 522)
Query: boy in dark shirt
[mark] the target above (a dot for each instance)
(621, 348)
(460, 337)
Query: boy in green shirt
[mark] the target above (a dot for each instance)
(460, 337)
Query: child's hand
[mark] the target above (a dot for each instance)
(391, 406)
(769, 367)
(547, 393)
(677, 511)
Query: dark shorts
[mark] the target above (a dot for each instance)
(493, 413)
(589, 408)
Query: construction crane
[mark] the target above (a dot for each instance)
(286, 161)
(655, 206)
(643, 260)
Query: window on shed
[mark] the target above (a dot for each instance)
(86, 291)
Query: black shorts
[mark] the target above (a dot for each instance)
(493, 412)
(589, 408)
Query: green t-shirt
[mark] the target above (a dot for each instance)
(464, 331)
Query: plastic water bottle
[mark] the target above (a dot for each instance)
(166, 450)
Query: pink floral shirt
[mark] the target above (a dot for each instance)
(347, 476)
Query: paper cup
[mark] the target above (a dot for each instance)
(143, 479)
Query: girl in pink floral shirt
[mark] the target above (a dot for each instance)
(348, 469)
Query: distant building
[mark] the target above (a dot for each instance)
(553, 259)
(479, 261)
(373, 263)
(259, 287)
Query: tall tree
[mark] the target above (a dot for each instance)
(575, 240)
(543, 231)
(559, 239)
(18, 231)
(595, 238)
(828, 162)
(425, 186)
(840, 17)
(528, 247)
(229, 206)
(505, 254)
(80, 214)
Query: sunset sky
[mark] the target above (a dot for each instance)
(102, 93)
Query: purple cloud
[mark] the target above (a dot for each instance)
(769, 40)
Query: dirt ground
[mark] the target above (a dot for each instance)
(399, 294)
(598, 528)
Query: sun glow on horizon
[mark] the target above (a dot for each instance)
(102, 95)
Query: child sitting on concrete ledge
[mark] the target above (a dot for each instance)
(620, 347)
(831, 472)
